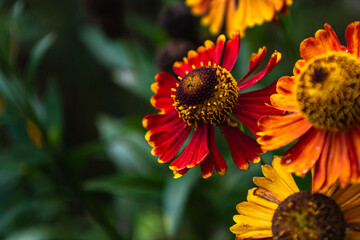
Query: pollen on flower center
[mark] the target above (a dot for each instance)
(307, 216)
(206, 95)
(328, 91)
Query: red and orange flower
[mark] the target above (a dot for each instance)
(207, 95)
(322, 101)
(237, 14)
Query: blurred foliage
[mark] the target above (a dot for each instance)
(75, 82)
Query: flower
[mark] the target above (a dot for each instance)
(322, 101)
(237, 15)
(206, 96)
(276, 209)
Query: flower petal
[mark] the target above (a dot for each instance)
(214, 158)
(255, 60)
(253, 105)
(273, 61)
(231, 51)
(278, 131)
(242, 147)
(195, 152)
(352, 38)
(302, 156)
(325, 40)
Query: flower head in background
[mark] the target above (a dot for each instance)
(322, 101)
(207, 95)
(276, 209)
(237, 14)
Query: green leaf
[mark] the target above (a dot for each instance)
(175, 197)
(135, 187)
(54, 115)
(126, 145)
(36, 56)
(132, 66)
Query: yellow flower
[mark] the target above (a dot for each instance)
(276, 209)
(237, 14)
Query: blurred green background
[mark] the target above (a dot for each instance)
(75, 80)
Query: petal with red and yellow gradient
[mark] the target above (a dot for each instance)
(243, 148)
(325, 40)
(353, 38)
(302, 156)
(221, 54)
(214, 159)
(278, 131)
(195, 152)
(253, 105)
(162, 89)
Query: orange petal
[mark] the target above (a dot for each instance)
(352, 38)
(301, 157)
(278, 131)
(325, 40)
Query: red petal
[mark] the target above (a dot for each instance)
(255, 60)
(155, 120)
(352, 38)
(273, 61)
(219, 49)
(242, 147)
(195, 152)
(231, 51)
(213, 158)
(174, 147)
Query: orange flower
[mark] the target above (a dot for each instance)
(206, 96)
(322, 101)
(237, 14)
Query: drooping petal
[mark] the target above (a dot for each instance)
(195, 152)
(302, 156)
(320, 168)
(335, 158)
(242, 147)
(214, 158)
(353, 141)
(353, 38)
(175, 146)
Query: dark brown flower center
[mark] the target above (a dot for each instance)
(328, 91)
(307, 216)
(206, 95)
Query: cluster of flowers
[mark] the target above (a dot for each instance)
(319, 106)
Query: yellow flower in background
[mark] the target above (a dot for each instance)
(236, 14)
(322, 101)
(276, 209)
